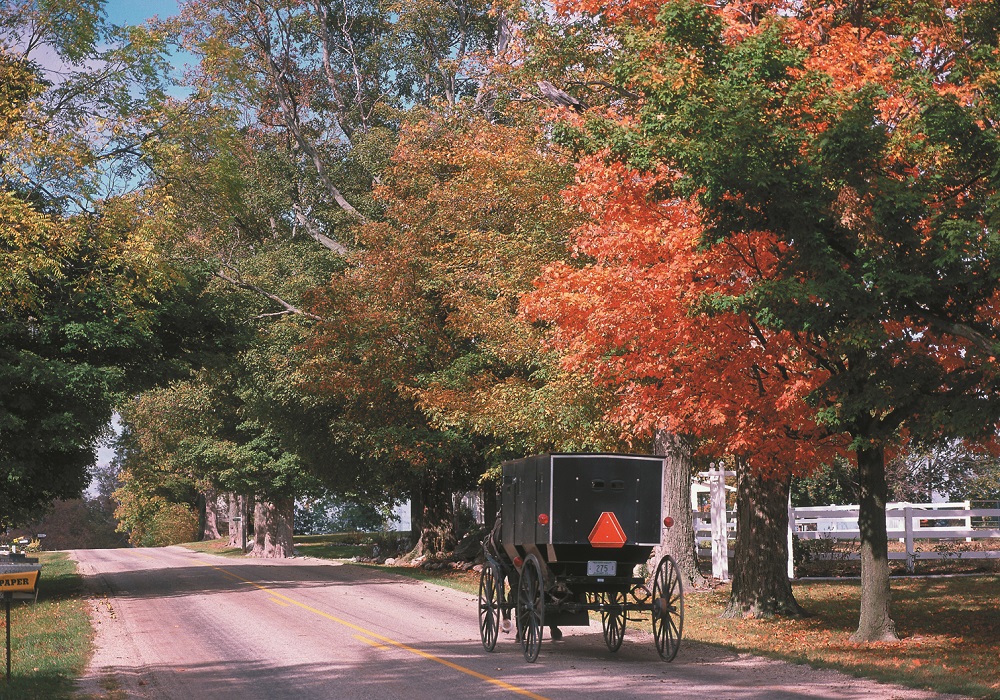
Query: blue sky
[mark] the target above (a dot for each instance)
(138, 11)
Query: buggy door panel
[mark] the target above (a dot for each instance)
(526, 490)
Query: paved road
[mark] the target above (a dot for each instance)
(178, 624)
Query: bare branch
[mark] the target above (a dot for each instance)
(961, 330)
(610, 86)
(288, 308)
(315, 233)
(281, 80)
(559, 97)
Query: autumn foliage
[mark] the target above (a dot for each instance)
(799, 185)
(794, 234)
(634, 318)
(426, 315)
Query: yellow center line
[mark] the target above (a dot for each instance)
(370, 641)
(386, 640)
(282, 603)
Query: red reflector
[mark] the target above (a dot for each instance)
(518, 561)
(607, 532)
(668, 522)
(543, 519)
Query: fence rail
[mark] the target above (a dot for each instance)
(907, 522)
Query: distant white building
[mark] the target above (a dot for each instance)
(400, 520)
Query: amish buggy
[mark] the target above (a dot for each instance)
(572, 530)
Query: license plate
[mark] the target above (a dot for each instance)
(602, 568)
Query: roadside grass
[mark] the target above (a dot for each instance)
(949, 629)
(50, 639)
(218, 547)
(340, 546)
(344, 545)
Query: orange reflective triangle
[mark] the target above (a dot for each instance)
(607, 532)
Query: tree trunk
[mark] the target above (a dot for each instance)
(761, 588)
(237, 521)
(273, 529)
(209, 501)
(437, 534)
(677, 540)
(875, 624)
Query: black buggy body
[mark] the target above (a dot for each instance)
(573, 531)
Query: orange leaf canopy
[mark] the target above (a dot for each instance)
(633, 318)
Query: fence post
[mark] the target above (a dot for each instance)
(791, 538)
(968, 519)
(720, 525)
(908, 530)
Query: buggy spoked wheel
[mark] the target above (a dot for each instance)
(530, 608)
(668, 609)
(613, 619)
(489, 605)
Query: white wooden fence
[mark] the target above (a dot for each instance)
(910, 523)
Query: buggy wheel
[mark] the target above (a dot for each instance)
(530, 608)
(489, 605)
(668, 609)
(613, 618)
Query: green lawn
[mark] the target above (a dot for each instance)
(339, 546)
(50, 639)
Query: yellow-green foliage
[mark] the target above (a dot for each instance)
(155, 522)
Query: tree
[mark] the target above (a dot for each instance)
(332, 77)
(94, 312)
(77, 142)
(954, 469)
(95, 307)
(831, 484)
(634, 318)
(428, 308)
(309, 94)
(481, 204)
(868, 183)
(74, 524)
(191, 438)
(678, 541)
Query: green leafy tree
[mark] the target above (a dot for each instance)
(831, 484)
(95, 307)
(193, 437)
